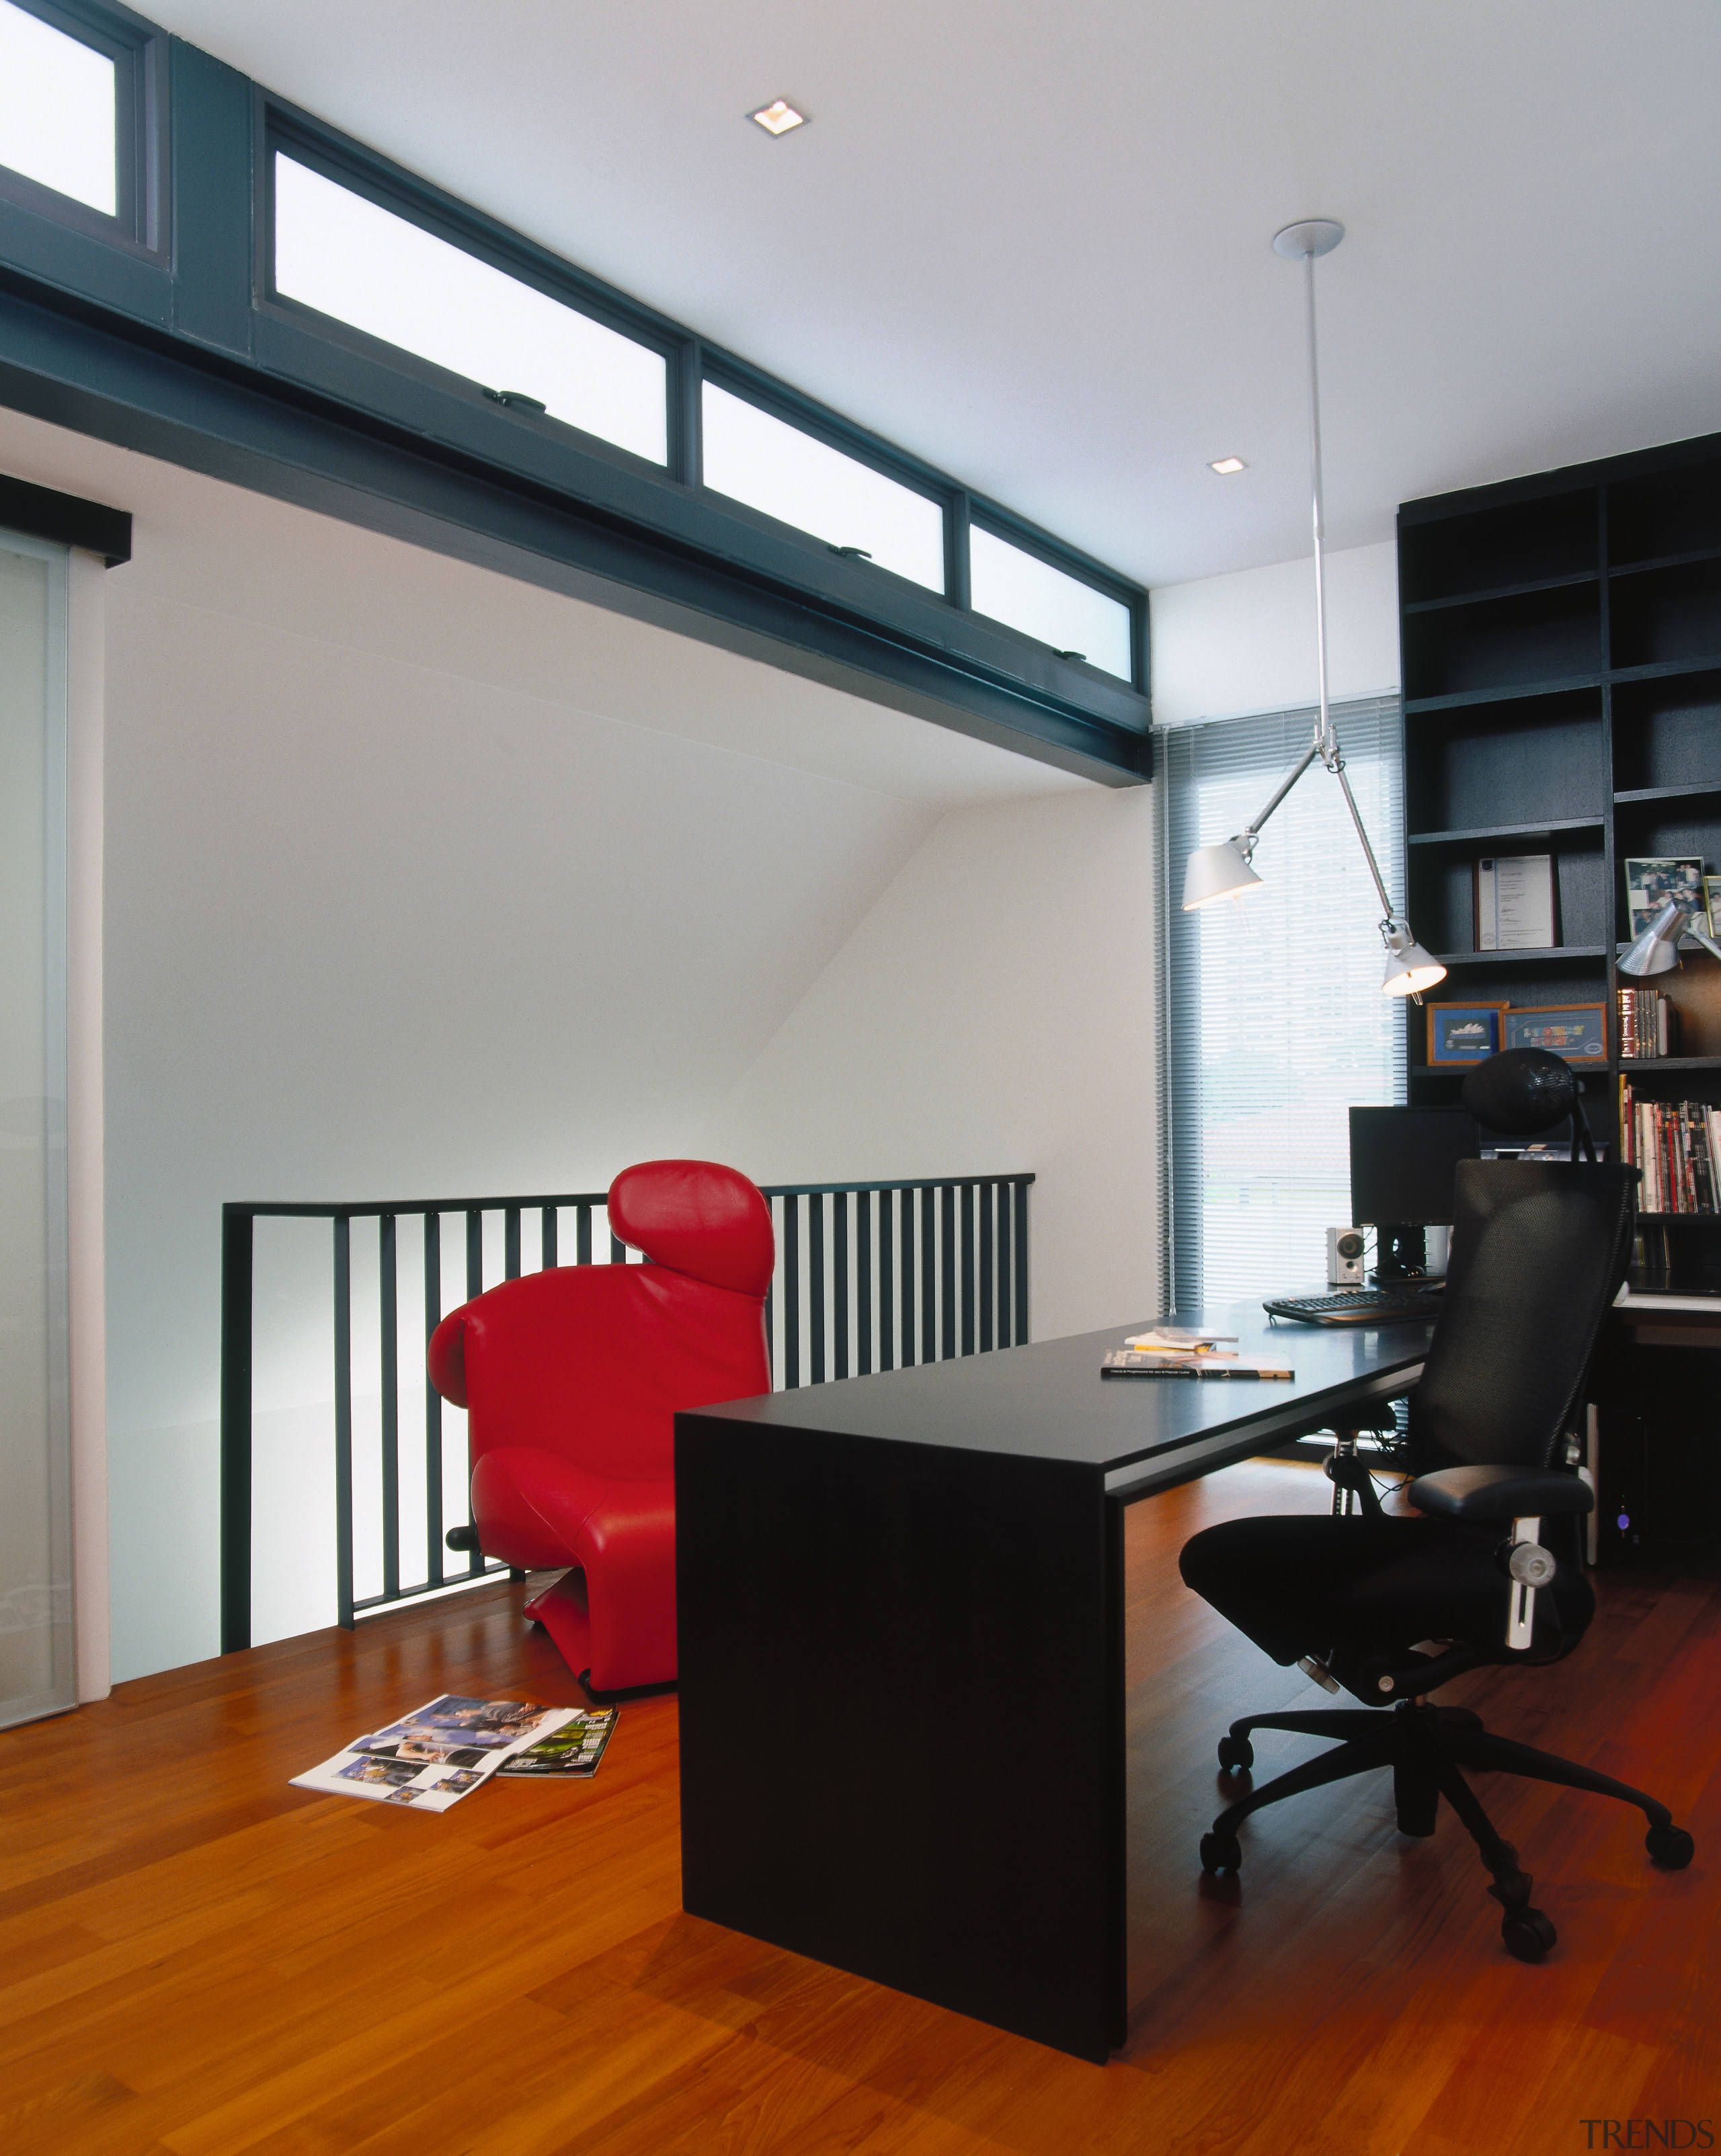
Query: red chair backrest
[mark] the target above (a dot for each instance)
(592, 1362)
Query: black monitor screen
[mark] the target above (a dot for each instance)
(1401, 1163)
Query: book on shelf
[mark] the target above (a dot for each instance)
(1649, 1025)
(1676, 1144)
(1514, 902)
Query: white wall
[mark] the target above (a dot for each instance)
(994, 1011)
(419, 882)
(1246, 642)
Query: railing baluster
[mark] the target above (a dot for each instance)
(969, 1198)
(238, 1244)
(863, 1282)
(343, 1421)
(947, 1346)
(929, 1273)
(791, 1294)
(932, 1289)
(815, 1283)
(839, 1279)
(771, 1300)
(1022, 1210)
(389, 1344)
(1006, 1326)
(987, 1194)
(906, 1200)
(886, 1284)
(433, 1545)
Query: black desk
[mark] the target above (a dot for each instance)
(902, 1655)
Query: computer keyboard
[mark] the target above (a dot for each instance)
(1360, 1306)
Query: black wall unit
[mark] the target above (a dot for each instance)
(1561, 641)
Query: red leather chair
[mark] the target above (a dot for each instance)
(571, 1379)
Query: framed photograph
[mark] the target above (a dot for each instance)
(1464, 1033)
(1712, 893)
(1576, 1031)
(1650, 882)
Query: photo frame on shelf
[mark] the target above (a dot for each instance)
(1578, 1032)
(1460, 1033)
(1711, 898)
(1651, 879)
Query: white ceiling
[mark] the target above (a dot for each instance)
(1031, 241)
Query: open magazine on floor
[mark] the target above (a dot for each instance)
(438, 1752)
(571, 1753)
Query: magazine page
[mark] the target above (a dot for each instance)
(572, 1752)
(437, 1753)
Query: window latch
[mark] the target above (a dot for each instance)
(852, 553)
(516, 400)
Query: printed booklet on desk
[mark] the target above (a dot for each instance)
(438, 1754)
(1133, 1362)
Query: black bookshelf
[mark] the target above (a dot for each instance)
(1561, 645)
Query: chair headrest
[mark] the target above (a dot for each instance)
(696, 1217)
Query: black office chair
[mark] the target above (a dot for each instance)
(1390, 1608)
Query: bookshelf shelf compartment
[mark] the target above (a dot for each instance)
(1549, 828)
(1524, 733)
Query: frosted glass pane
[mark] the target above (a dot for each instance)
(35, 1581)
(1030, 595)
(57, 123)
(347, 258)
(766, 462)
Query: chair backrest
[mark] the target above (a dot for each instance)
(593, 1361)
(1538, 1254)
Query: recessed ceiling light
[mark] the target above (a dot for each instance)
(1228, 465)
(778, 117)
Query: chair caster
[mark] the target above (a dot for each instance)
(1527, 1933)
(1220, 1852)
(1236, 1755)
(1670, 1847)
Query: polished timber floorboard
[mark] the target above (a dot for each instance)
(196, 1958)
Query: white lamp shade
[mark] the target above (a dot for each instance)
(1410, 970)
(1656, 950)
(1217, 871)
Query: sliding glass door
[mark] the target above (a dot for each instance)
(36, 1663)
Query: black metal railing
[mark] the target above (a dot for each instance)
(869, 1277)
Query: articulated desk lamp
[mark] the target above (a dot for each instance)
(1656, 950)
(1225, 869)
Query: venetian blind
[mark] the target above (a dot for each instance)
(1274, 1020)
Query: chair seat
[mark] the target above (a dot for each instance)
(540, 1510)
(1357, 1588)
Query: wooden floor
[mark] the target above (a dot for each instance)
(196, 1958)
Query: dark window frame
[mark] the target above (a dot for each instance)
(833, 433)
(1081, 569)
(138, 50)
(179, 348)
(295, 135)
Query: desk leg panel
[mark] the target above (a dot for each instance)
(901, 1717)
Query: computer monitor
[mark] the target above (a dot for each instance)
(1401, 1164)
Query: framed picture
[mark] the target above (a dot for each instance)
(1712, 893)
(1463, 1033)
(1650, 882)
(1576, 1031)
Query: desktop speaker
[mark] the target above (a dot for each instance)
(1344, 1257)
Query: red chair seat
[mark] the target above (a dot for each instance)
(571, 1379)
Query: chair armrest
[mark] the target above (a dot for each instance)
(1489, 1494)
